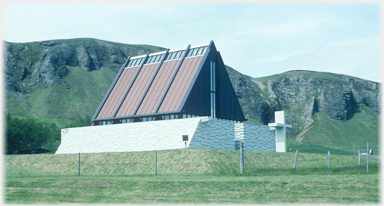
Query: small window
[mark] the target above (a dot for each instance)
(189, 52)
(169, 56)
(174, 55)
(139, 61)
(132, 62)
(194, 51)
(179, 54)
(150, 59)
(204, 50)
(158, 57)
(201, 50)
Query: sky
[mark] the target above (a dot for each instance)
(256, 39)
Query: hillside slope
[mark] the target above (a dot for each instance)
(60, 79)
(302, 94)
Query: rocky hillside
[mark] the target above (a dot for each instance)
(37, 65)
(59, 79)
(303, 93)
(41, 76)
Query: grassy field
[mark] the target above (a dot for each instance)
(190, 176)
(311, 188)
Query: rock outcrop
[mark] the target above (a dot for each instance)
(37, 65)
(301, 94)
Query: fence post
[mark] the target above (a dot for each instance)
(367, 156)
(329, 159)
(79, 166)
(241, 158)
(297, 154)
(155, 162)
(353, 149)
(358, 157)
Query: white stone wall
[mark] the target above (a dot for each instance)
(256, 137)
(140, 136)
(214, 134)
(203, 132)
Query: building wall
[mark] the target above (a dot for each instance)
(256, 137)
(140, 136)
(214, 134)
(203, 132)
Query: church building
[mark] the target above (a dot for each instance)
(173, 99)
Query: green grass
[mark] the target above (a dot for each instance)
(237, 189)
(14, 105)
(186, 161)
(189, 176)
(363, 127)
(61, 104)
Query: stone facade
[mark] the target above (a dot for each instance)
(203, 132)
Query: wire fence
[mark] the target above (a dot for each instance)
(187, 161)
(340, 150)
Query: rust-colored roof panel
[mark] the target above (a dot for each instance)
(137, 90)
(180, 84)
(117, 93)
(158, 87)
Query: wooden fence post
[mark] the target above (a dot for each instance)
(79, 166)
(297, 154)
(367, 156)
(241, 158)
(155, 162)
(358, 157)
(329, 159)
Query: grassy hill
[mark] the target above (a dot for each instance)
(185, 161)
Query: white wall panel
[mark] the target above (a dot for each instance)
(203, 132)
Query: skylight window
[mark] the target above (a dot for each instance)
(170, 56)
(197, 51)
(135, 62)
(154, 59)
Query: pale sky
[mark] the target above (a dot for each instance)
(255, 39)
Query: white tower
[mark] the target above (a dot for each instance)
(280, 131)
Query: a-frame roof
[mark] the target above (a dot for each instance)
(170, 82)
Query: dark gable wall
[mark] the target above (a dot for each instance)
(199, 103)
(228, 106)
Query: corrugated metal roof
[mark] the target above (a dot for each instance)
(157, 89)
(137, 91)
(117, 93)
(180, 84)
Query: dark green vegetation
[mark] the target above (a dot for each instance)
(29, 133)
(190, 176)
(60, 80)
